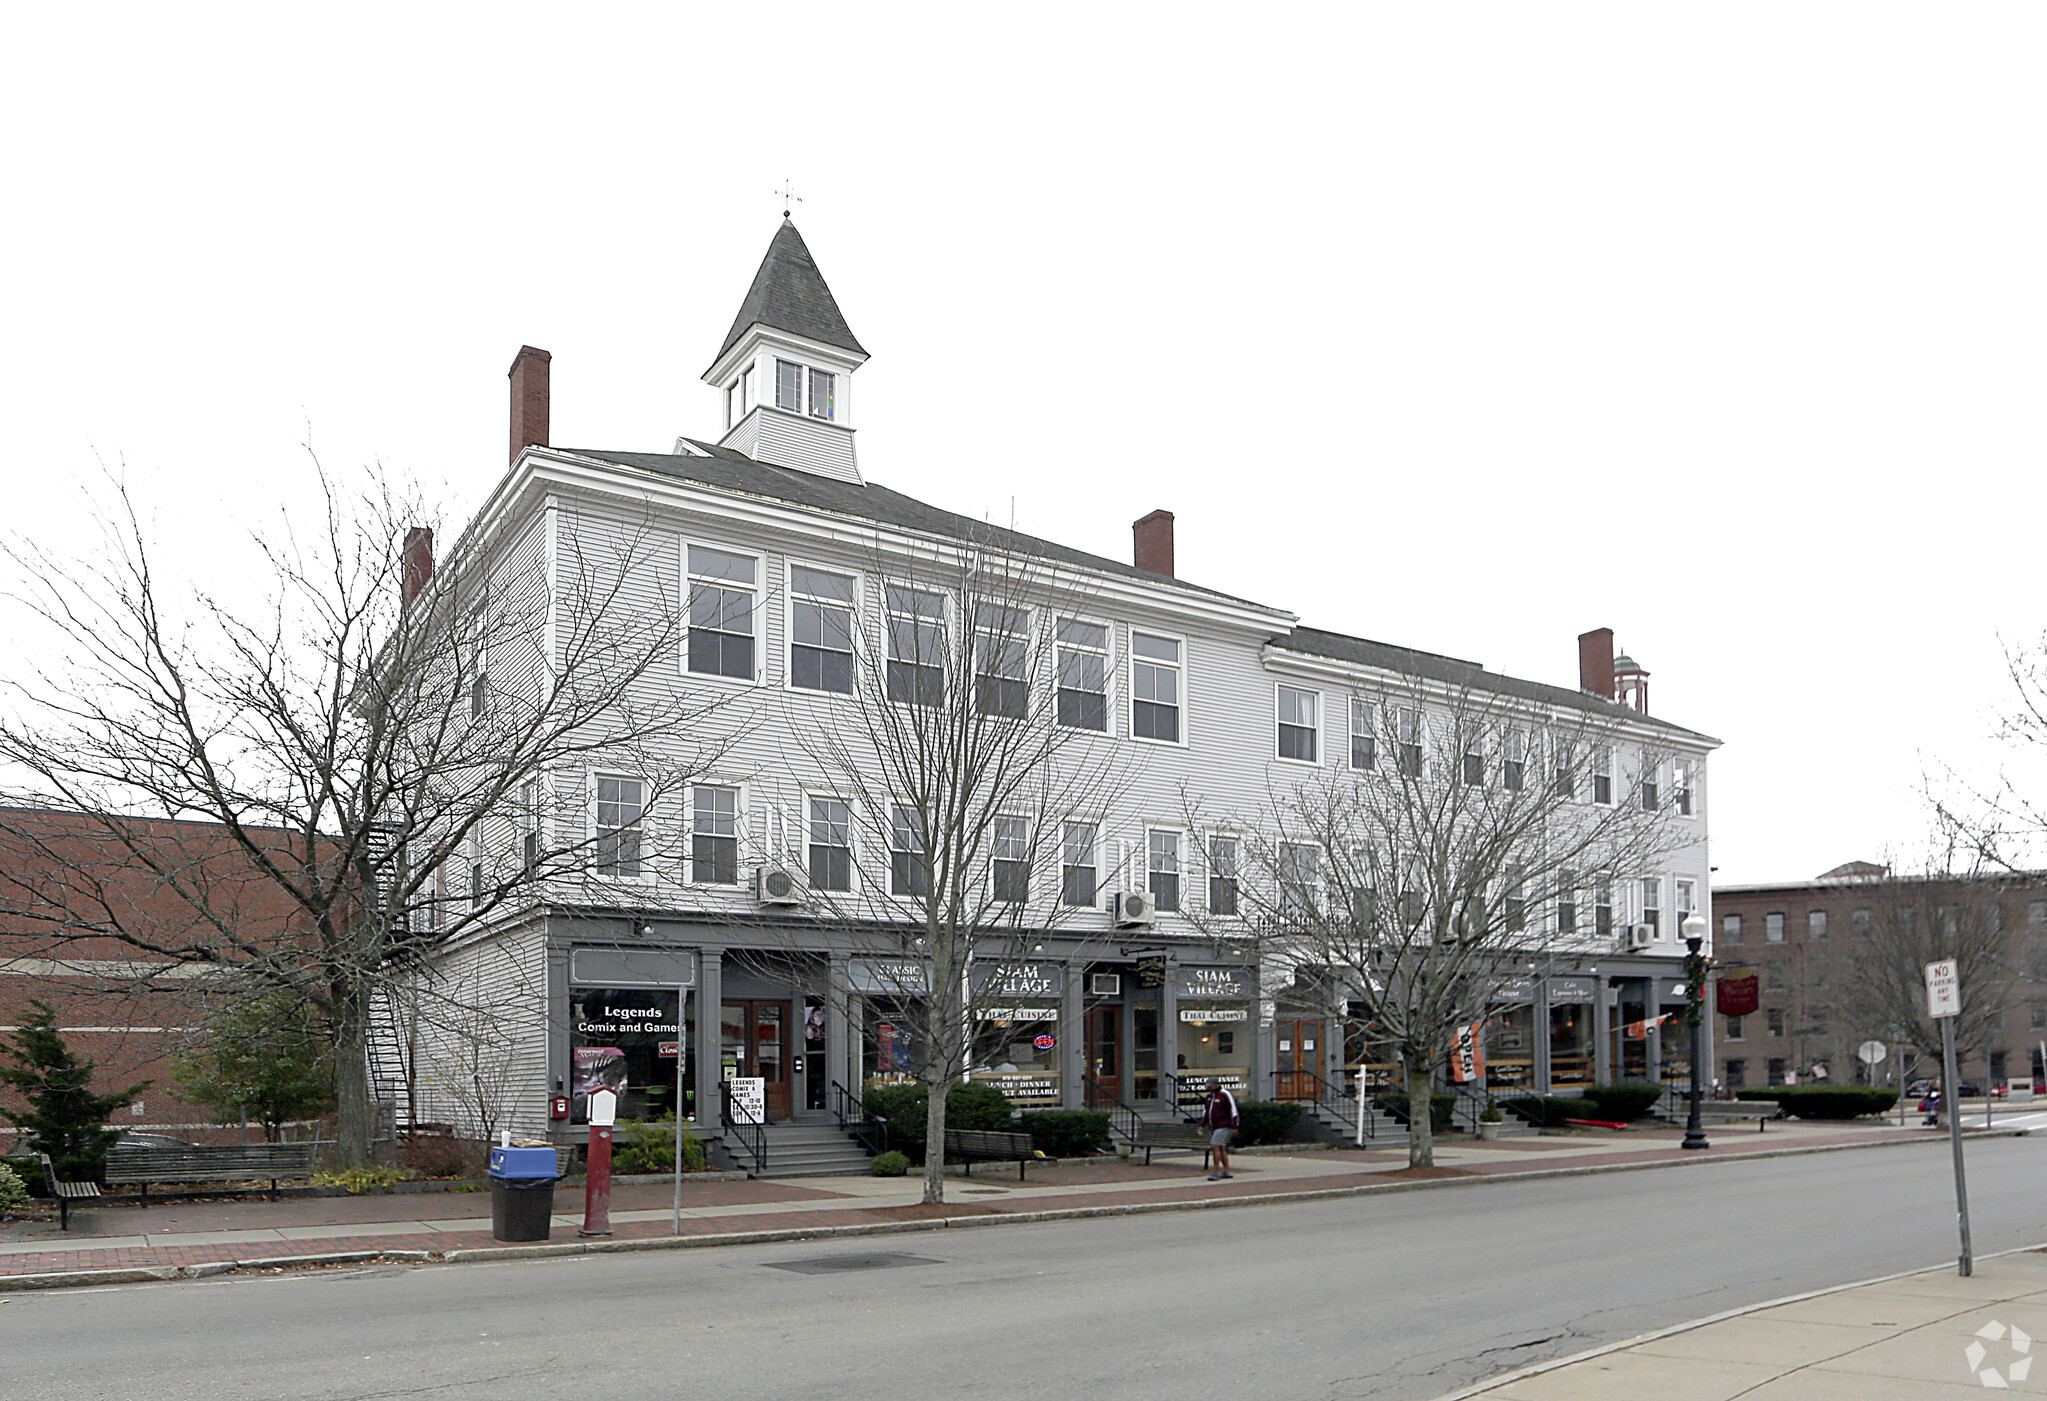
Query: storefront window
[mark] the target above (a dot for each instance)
(1019, 1056)
(888, 1051)
(629, 1040)
(1570, 1044)
(1510, 1049)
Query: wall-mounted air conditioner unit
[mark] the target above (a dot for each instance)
(776, 884)
(1105, 984)
(1640, 936)
(1135, 909)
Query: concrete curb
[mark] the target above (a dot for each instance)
(1608, 1349)
(542, 1250)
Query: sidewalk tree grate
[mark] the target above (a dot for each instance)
(845, 1264)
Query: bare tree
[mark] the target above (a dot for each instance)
(975, 757)
(1474, 839)
(376, 753)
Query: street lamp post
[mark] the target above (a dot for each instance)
(1694, 931)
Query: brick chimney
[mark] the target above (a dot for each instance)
(1153, 543)
(417, 563)
(529, 374)
(1595, 662)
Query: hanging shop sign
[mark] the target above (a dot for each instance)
(1217, 984)
(889, 977)
(1151, 971)
(1740, 992)
(1570, 989)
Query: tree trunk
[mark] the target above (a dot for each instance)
(1421, 1127)
(934, 1142)
(354, 1114)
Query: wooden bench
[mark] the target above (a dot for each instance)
(989, 1146)
(143, 1164)
(1762, 1111)
(1170, 1138)
(65, 1192)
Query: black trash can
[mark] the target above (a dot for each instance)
(521, 1193)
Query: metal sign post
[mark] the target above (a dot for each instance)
(1944, 1004)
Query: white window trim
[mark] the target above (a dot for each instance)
(1032, 847)
(802, 854)
(1320, 727)
(1130, 686)
(790, 564)
(590, 777)
(1183, 846)
(1108, 655)
(1350, 732)
(760, 614)
(1100, 849)
(1690, 787)
(740, 825)
(1229, 834)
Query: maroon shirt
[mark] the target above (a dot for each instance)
(1220, 1112)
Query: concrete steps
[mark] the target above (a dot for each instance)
(813, 1149)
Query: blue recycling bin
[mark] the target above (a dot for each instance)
(521, 1193)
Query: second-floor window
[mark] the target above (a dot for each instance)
(1567, 903)
(714, 836)
(1083, 664)
(1816, 923)
(907, 864)
(1730, 929)
(1300, 879)
(1651, 771)
(821, 630)
(1299, 723)
(1681, 786)
(831, 845)
(1687, 901)
(916, 645)
(1652, 905)
(1474, 759)
(1602, 774)
(1602, 907)
(620, 818)
(1077, 883)
(1364, 741)
(1222, 875)
(1565, 756)
(1154, 687)
(1002, 653)
(721, 610)
(1773, 928)
(1514, 761)
(1010, 846)
(1162, 869)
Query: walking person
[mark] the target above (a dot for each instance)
(1219, 1117)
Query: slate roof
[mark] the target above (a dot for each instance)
(1452, 671)
(789, 294)
(728, 470)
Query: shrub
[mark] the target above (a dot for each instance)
(969, 1106)
(1622, 1100)
(439, 1156)
(30, 1171)
(1824, 1101)
(64, 1117)
(1550, 1111)
(13, 1192)
(648, 1146)
(1440, 1108)
(889, 1165)
(1068, 1133)
(1266, 1121)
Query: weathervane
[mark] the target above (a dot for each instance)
(788, 196)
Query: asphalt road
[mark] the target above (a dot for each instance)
(1400, 1296)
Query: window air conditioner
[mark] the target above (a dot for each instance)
(1640, 936)
(1135, 909)
(1105, 984)
(777, 884)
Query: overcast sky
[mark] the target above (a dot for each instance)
(1467, 328)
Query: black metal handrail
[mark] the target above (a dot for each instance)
(1333, 1100)
(1123, 1120)
(752, 1137)
(857, 1119)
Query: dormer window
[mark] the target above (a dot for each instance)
(823, 394)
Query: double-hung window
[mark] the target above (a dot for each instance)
(1010, 846)
(1681, 786)
(714, 836)
(1602, 773)
(1364, 741)
(1514, 900)
(1162, 869)
(1652, 770)
(1564, 756)
(1602, 907)
(1687, 902)
(1567, 902)
(1300, 880)
(1773, 928)
(1514, 761)
(1002, 654)
(721, 612)
(1474, 758)
(1077, 883)
(1816, 924)
(1730, 929)
(476, 873)
(620, 820)
(1408, 736)
(821, 630)
(529, 822)
(1222, 875)
(908, 863)
(1652, 905)
(1154, 687)
(1083, 665)
(916, 645)
(831, 845)
(1300, 716)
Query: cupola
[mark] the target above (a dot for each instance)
(784, 375)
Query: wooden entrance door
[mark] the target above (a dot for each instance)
(755, 1041)
(1298, 1046)
(1104, 1046)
